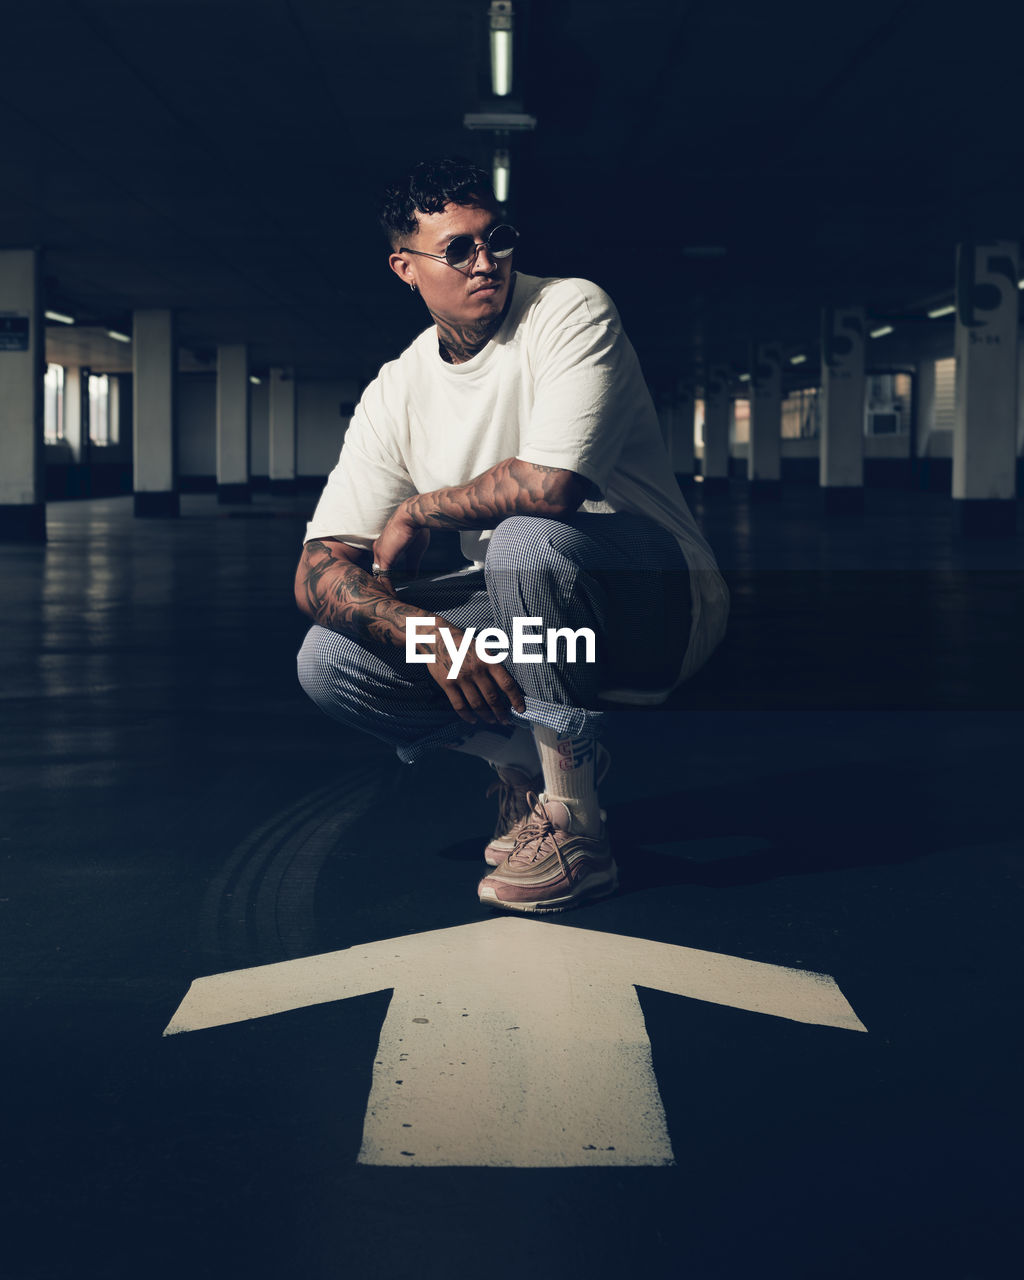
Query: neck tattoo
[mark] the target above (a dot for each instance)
(458, 343)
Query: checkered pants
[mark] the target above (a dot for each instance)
(621, 575)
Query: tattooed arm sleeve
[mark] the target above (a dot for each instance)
(332, 590)
(510, 488)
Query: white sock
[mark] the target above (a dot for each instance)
(568, 764)
(514, 749)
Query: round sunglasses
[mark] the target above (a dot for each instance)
(462, 251)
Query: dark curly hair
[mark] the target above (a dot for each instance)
(427, 189)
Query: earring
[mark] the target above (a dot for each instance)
(412, 287)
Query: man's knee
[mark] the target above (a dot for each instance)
(311, 663)
(533, 569)
(521, 543)
(322, 664)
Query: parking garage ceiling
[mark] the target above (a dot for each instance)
(723, 169)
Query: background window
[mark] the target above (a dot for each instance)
(800, 414)
(99, 409)
(887, 407)
(740, 422)
(53, 404)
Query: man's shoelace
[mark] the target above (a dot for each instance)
(537, 840)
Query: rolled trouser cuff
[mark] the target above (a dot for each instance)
(563, 719)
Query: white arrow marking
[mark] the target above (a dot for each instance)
(514, 1042)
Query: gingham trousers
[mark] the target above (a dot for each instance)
(621, 575)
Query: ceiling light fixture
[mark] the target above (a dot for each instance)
(941, 311)
(500, 14)
(744, 377)
(1020, 284)
(801, 359)
(59, 316)
(881, 332)
(501, 172)
(118, 337)
(254, 380)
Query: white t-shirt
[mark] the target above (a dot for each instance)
(558, 385)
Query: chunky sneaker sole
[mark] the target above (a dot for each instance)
(500, 847)
(599, 883)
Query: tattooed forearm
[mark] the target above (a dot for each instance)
(339, 595)
(331, 589)
(510, 488)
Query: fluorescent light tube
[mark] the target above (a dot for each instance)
(501, 63)
(500, 173)
(59, 317)
(744, 377)
(941, 311)
(501, 48)
(254, 380)
(118, 337)
(881, 332)
(797, 359)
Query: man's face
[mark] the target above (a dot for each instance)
(470, 295)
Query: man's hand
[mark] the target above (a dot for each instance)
(401, 544)
(482, 692)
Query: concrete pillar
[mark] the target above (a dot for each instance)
(841, 466)
(764, 458)
(22, 365)
(716, 429)
(681, 442)
(985, 415)
(154, 360)
(282, 431)
(233, 424)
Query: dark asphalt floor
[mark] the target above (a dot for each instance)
(839, 791)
